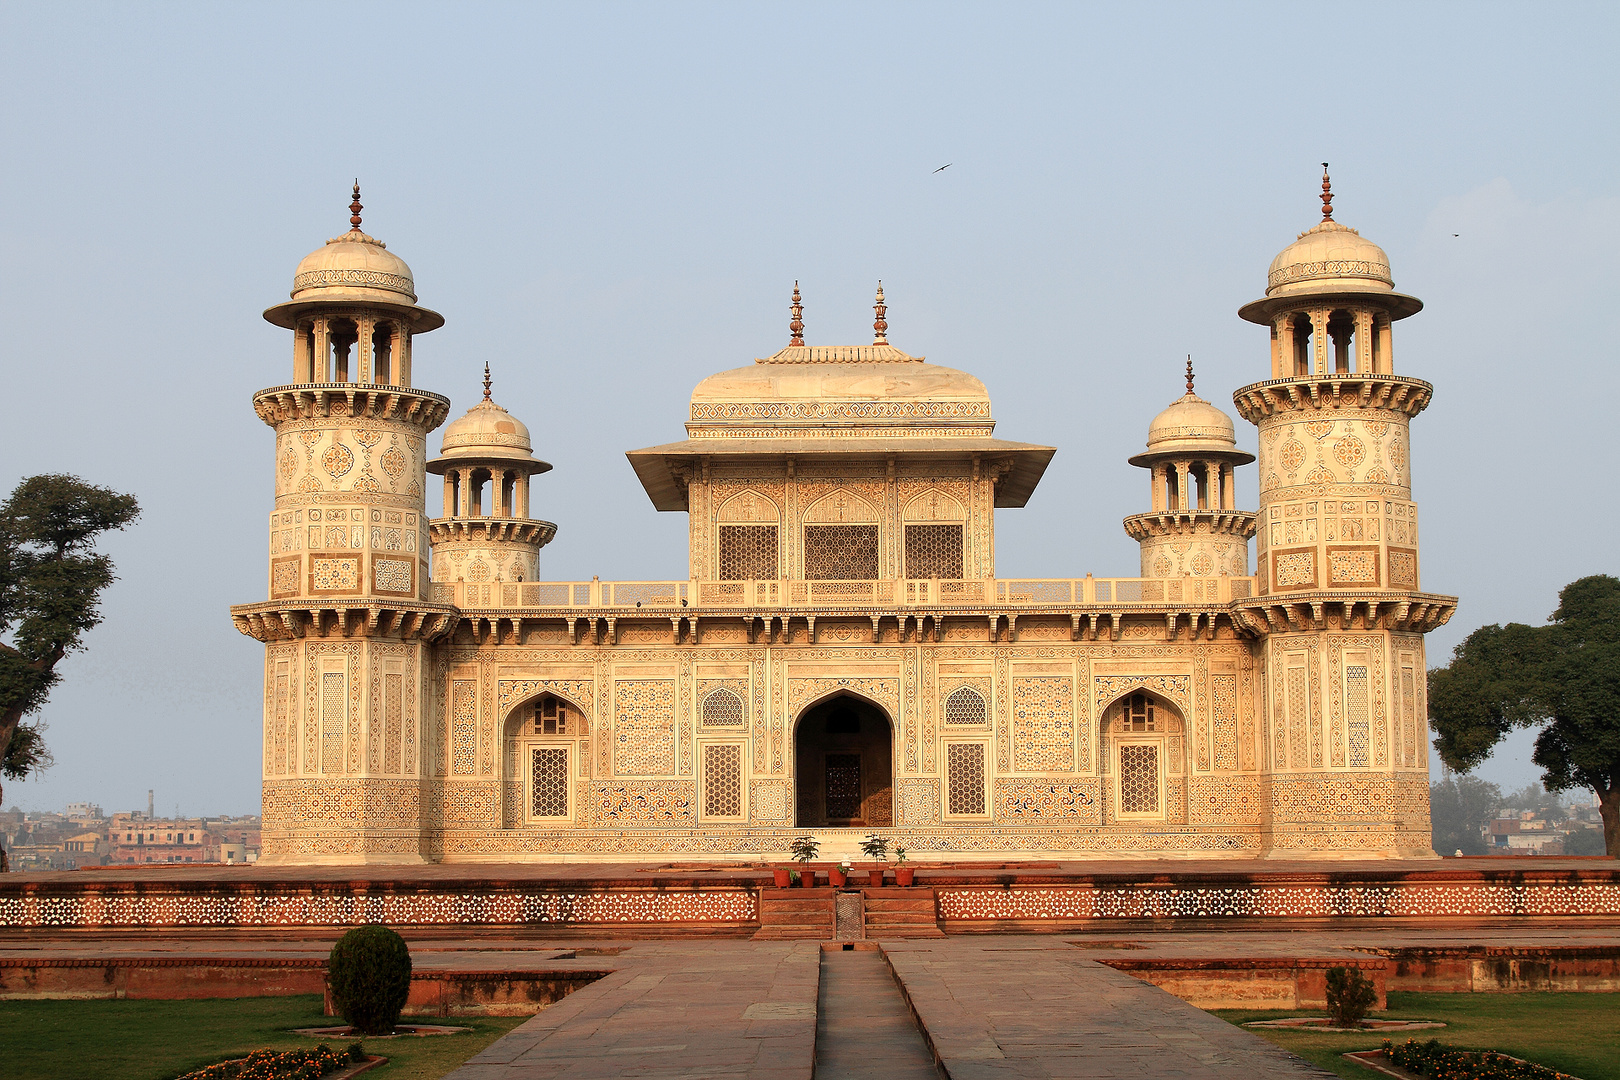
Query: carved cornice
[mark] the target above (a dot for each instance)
(1239, 523)
(1395, 393)
(290, 620)
(310, 401)
(1417, 613)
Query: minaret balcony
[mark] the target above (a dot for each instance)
(1234, 523)
(1338, 390)
(492, 530)
(311, 401)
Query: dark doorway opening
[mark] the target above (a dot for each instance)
(843, 751)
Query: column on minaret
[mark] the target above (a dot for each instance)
(497, 493)
(1322, 354)
(450, 493)
(402, 355)
(1183, 469)
(365, 327)
(1364, 334)
(321, 361)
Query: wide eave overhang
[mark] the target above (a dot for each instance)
(1399, 305)
(653, 464)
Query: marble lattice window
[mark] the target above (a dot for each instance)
(840, 552)
(748, 553)
(964, 779)
(722, 780)
(934, 551)
(548, 769)
(1139, 779)
(965, 706)
(722, 708)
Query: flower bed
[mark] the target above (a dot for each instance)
(283, 1064)
(1440, 1062)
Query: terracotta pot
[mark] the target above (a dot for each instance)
(807, 878)
(780, 873)
(904, 875)
(835, 877)
(875, 877)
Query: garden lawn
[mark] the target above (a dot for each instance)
(1574, 1033)
(156, 1040)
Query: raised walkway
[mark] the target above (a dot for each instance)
(990, 1008)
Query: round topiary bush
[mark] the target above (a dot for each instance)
(370, 975)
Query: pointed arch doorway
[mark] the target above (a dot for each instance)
(843, 753)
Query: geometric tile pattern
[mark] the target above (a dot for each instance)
(644, 727)
(1043, 724)
(1223, 710)
(748, 553)
(934, 551)
(1355, 708)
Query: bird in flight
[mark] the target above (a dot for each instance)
(942, 168)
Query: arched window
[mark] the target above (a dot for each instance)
(1138, 714)
(722, 708)
(965, 706)
(1302, 345)
(553, 716)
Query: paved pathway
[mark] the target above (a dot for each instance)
(994, 1008)
(864, 1031)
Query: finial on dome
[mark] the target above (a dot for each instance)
(796, 325)
(1189, 373)
(355, 207)
(486, 380)
(880, 327)
(1327, 194)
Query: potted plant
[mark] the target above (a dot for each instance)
(903, 874)
(836, 875)
(876, 848)
(783, 876)
(805, 848)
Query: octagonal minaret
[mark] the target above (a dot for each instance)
(347, 623)
(1338, 613)
(1194, 527)
(486, 533)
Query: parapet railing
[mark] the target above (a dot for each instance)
(930, 592)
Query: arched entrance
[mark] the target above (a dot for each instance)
(843, 752)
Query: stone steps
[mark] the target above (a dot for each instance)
(795, 914)
(893, 912)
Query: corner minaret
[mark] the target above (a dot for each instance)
(1194, 527)
(1338, 612)
(348, 620)
(486, 533)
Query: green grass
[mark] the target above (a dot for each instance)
(1574, 1033)
(156, 1040)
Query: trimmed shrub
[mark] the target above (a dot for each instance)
(1435, 1059)
(1349, 995)
(370, 975)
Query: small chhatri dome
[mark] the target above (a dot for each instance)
(1329, 259)
(354, 269)
(1191, 425)
(1329, 256)
(487, 431)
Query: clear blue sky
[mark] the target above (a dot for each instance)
(609, 202)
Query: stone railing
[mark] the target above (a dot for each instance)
(903, 592)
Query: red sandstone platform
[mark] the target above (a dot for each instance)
(694, 899)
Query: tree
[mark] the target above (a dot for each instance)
(1458, 810)
(1563, 678)
(51, 581)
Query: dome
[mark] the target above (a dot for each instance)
(354, 269)
(1329, 258)
(354, 266)
(1192, 426)
(487, 433)
(1191, 422)
(875, 384)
